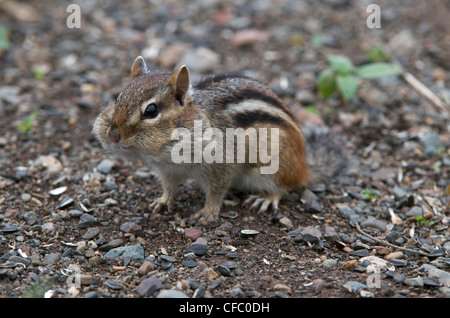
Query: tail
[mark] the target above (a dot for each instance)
(326, 155)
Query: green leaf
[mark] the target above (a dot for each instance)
(376, 54)
(369, 194)
(311, 109)
(327, 82)
(376, 70)
(4, 41)
(341, 64)
(347, 86)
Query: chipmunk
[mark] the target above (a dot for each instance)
(149, 116)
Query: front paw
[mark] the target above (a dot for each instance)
(160, 205)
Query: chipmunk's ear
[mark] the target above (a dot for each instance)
(139, 67)
(181, 84)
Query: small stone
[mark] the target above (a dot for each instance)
(189, 263)
(113, 284)
(18, 259)
(192, 233)
(200, 60)
(133, 252)
(52, 258)
(224, 271)
(105, 166)
(198, 249)
(431, 282)
(249, 36)
(148, 286)
(329, 264)
(171, 293)
(375, 223)
(398, 262)
(75, 213)
(130, 227)
(111, 185)
(91, 233)
(145, 268)
(167, 258)
(282, 287)
(441, 275)
(361, 253)
(399, 193)
(354, 286)
(25, 197)
(92, 294)
(346, 211)
(414, 211)
(286, 222)
(414, 282)
(394, 255)
(49, 226)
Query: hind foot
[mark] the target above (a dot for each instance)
(262, 203)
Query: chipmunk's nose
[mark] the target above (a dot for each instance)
(114, 135)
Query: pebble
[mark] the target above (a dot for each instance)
(398, 262)
(375, 223)
(329, 264)
(192, 233)
(346, 211)
(394, 255)
(414, 211)
(198, 249)
(149, 286)
(189, 263)
(200, 60)
(171, 293)
(223, 270)
(113, 284)
(75, 213)
(105, 166)
(286, 222)
(441, 275)
(354, 286)
(133, 252)
(52, 258)
(145, 268)
(26, 197)
(414, 282)
(130, 227)
(361, 253)
(91, 233)
(48, 226)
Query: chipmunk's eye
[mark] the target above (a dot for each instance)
(151, 111)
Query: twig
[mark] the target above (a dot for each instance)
(387, 243)
(425, 91)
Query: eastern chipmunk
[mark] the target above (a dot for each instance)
(148, 118)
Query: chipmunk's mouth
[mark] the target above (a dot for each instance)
(125, 147)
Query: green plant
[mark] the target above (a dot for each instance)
(369, 194)
(28, 122)
(376, 54)
(424, 221)
(342, 76)
(4, 40)
(38, 289)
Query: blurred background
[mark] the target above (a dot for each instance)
(56, 79)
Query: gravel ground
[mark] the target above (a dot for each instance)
(75, 223)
